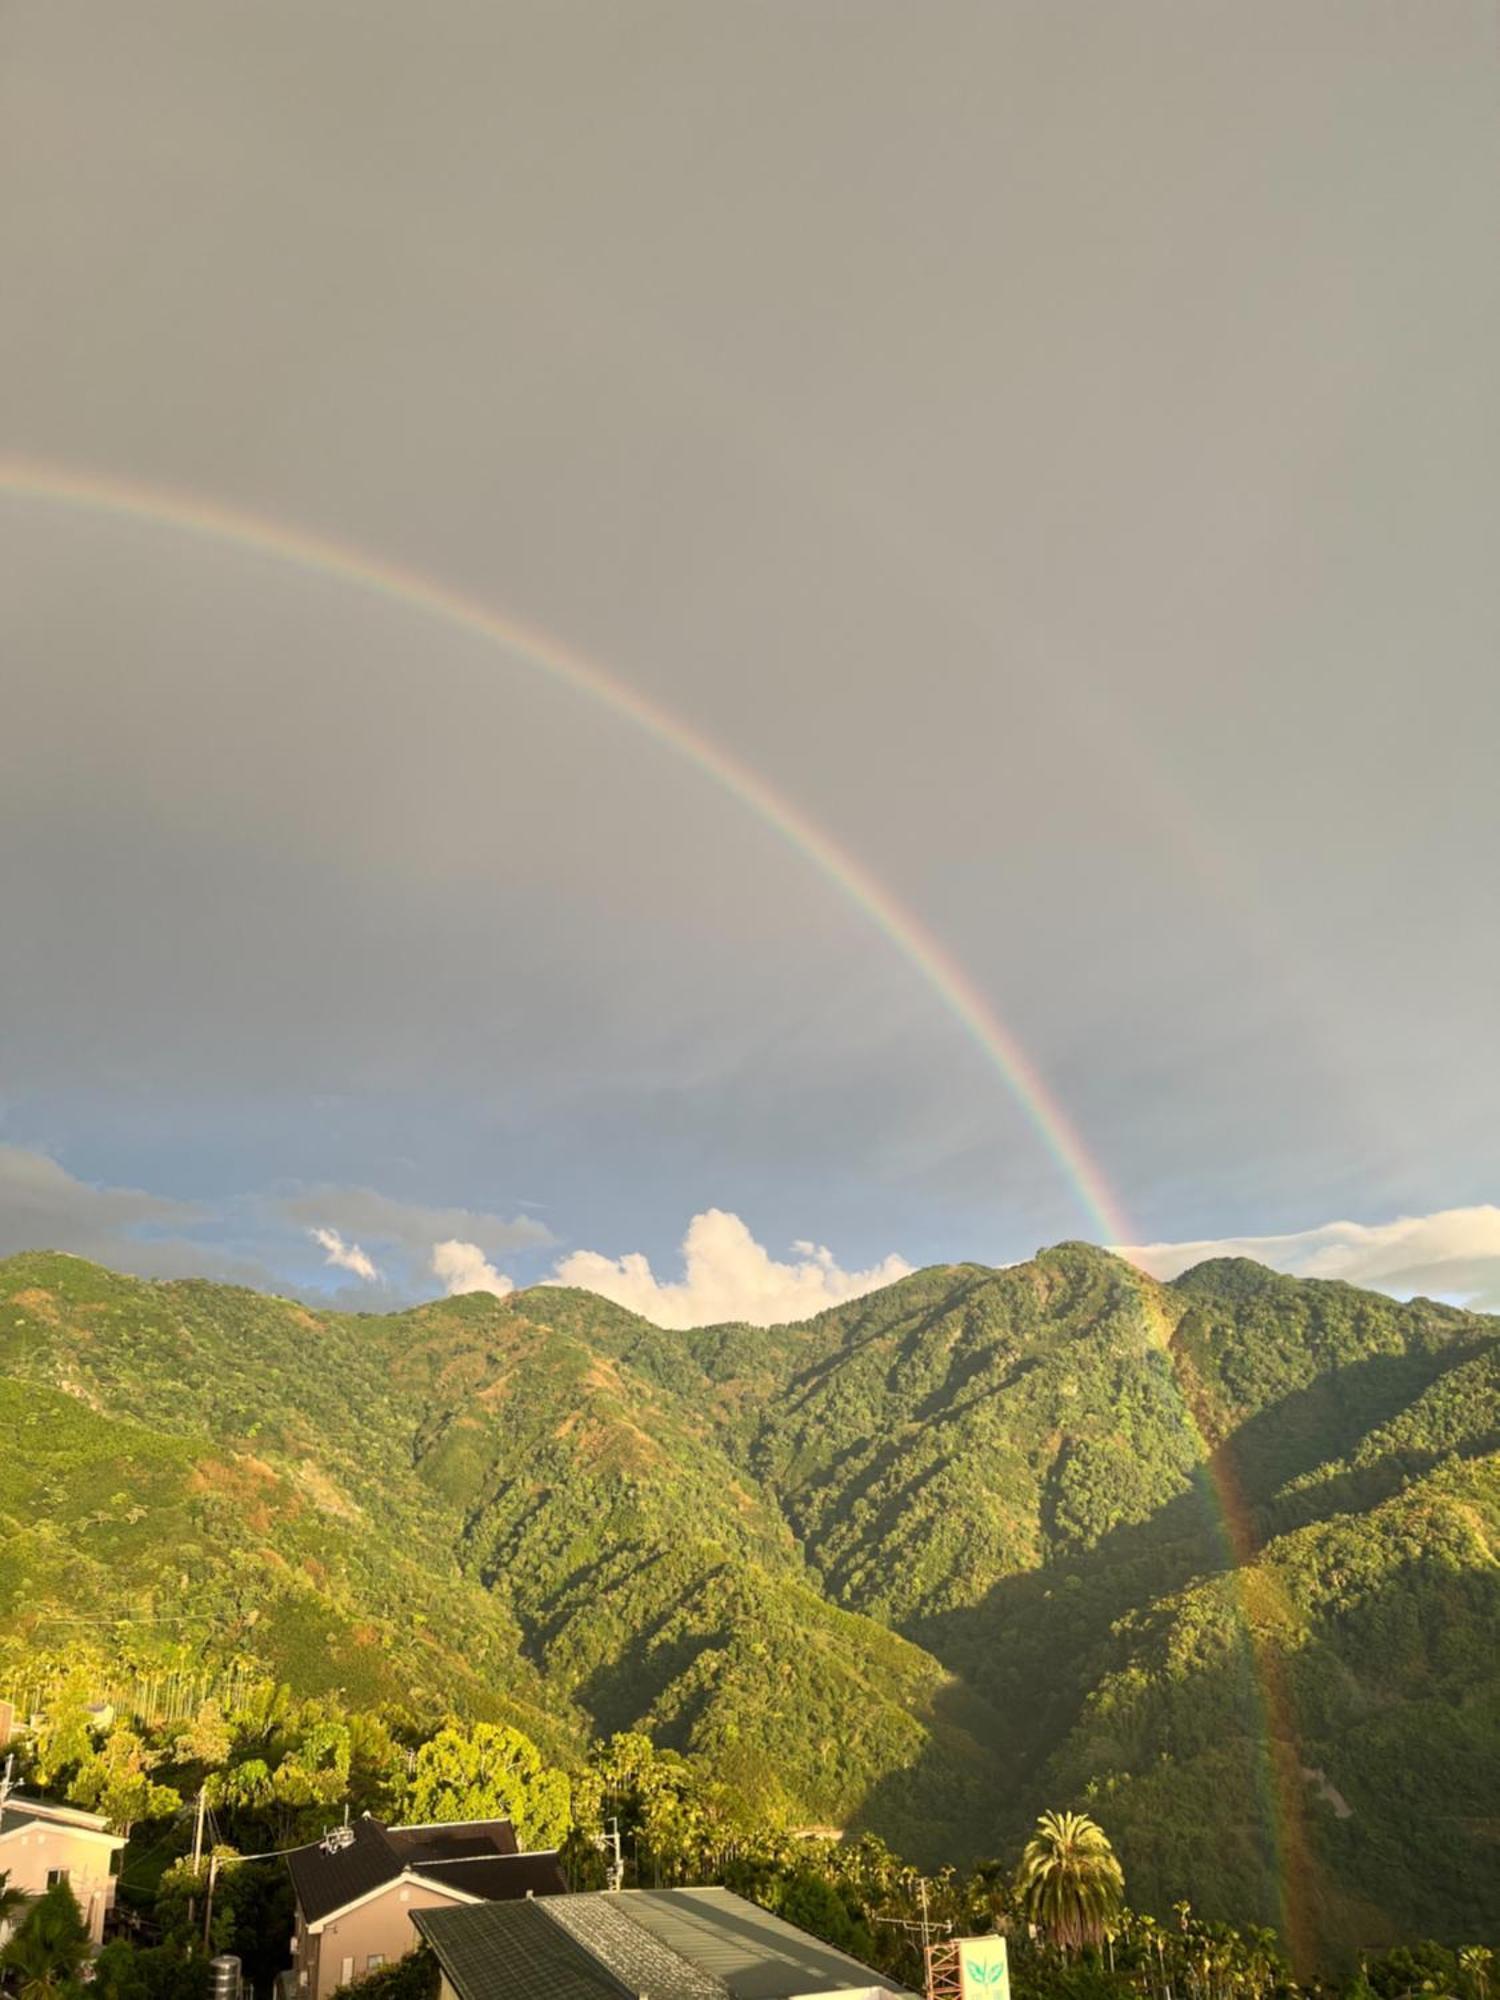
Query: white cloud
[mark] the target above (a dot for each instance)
(463, 1267)
(727, 1275)
(1452, 1254)
(346, 1256)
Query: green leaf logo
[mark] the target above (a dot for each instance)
(985, 1975)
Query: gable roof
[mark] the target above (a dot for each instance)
(325, 1882)
(18, 1812)
(510, 1951)
(378, 1855)
(659, 1944)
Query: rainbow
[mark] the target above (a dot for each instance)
(320, 555)
(208, 520)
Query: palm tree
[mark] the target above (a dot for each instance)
(44, 1958)
(12, 1902)
(1069, 1882)
(1474, 1961)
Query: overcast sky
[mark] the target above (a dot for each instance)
(1054, 446)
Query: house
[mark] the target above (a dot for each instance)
(42, 1843)
(358, 1890)
(640, 1944)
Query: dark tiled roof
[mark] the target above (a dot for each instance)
(510, 1951)
(641, 1962)
(378, 1854)
(499, 1878)
(453, 1842)
(748, 1953)
(326, 1882)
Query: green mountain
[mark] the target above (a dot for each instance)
(1216, 1557)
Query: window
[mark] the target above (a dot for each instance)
(374, 1962)
(346, 1971)
(56, 1875)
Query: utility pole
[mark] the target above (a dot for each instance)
(208, 1907)
(931, 1936)
(197, 1850)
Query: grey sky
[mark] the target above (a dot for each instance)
(1055, 445)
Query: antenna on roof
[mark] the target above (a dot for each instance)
(337, 1838)
(615, 1866)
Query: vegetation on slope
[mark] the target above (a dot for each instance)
(1216, 1558)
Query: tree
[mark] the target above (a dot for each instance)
(206, 1740)
(1474, 1963)
(1069, 1882)
(415, 1977)
(490, 1772)
(116, 1781)
(12, 1902)
(125, 1971)
(46, 1955)
(66, 1736)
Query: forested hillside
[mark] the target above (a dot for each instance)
(1216, 1558)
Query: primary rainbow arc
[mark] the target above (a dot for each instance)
(307, 550)
(321, 555)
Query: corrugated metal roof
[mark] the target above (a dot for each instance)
(649, 1944)
(510, 1951)
(753, 1955)
(640, 1960)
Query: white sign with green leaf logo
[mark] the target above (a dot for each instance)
(983, 1969)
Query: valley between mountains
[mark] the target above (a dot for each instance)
(1216, 1559)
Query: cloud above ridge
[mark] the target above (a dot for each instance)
(726, 1275)
(463, 1267)
(1453, 1253)
(346, 1256)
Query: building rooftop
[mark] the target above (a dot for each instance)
(641, 1960)
(514, 1954)
(648, 1944)
(19, 1811)
(498, 1877)
(453, 1840)
(327, 1879)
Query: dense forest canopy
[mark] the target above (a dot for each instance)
(1213, 1561)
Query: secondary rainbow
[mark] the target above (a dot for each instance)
(321, 555)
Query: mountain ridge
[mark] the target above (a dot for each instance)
(923, 1562)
